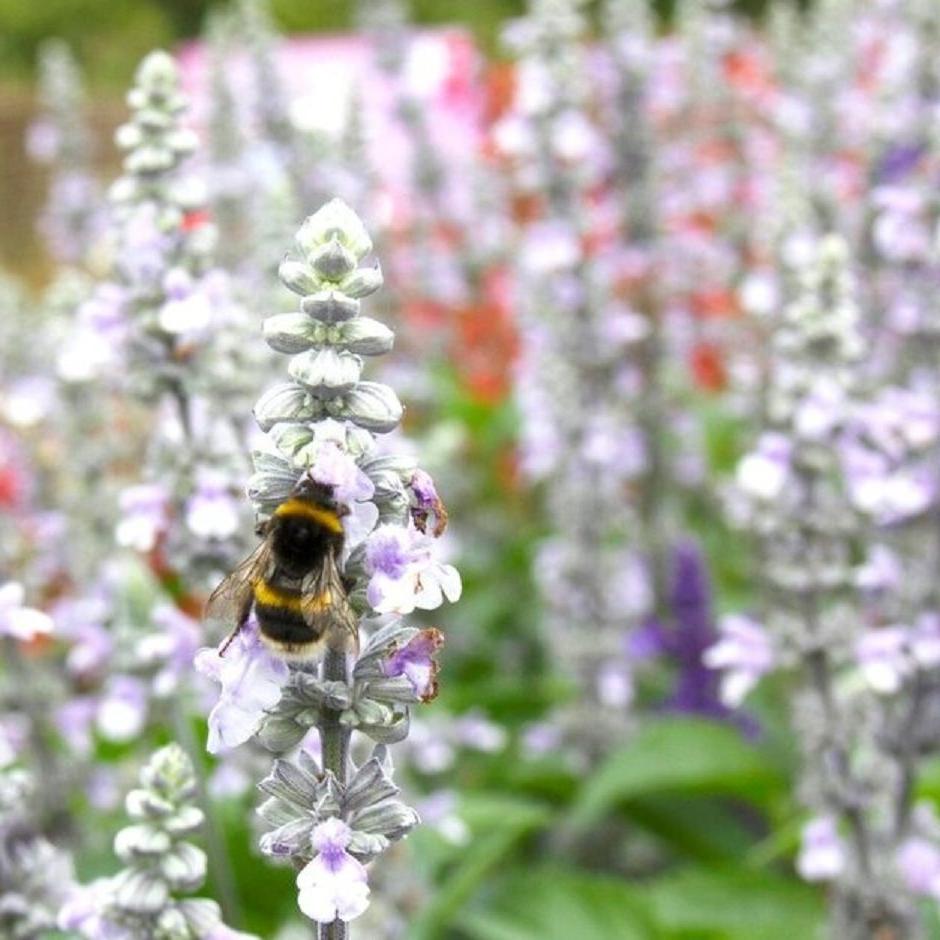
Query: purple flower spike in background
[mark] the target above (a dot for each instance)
(692, 635)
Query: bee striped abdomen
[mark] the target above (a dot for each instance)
(293, 580)
(281, 618)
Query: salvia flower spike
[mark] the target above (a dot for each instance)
(332, 815)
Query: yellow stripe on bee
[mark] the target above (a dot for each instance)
(299, 507)
(316, 605)
(269, 596)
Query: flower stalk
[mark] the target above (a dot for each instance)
(147, 898)
(824, 474)
(332, 805)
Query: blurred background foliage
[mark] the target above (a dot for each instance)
(110, 36)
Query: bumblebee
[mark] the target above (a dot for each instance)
(292, 580)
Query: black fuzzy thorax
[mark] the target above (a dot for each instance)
(301, 545)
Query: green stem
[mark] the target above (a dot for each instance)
(335, 740)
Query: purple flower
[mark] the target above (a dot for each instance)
(402, 573)
(103, 788)
(924, 640)
(143, 516)
(27, 401)
(549, 248)
(105, 312)
(122, 709)
(144, 247)
(881, 570)
(84, 912)
(899, 420)
(763, 473)
(43, 140)
(573, 137)
(100, 332)
(744, 653)
(430, 750)
(415, 660)
(696, 688)
(821, 410)
(172, 646)
(333, 885)
(884, 658)
(229, 781)
(918, 861)
(212, 510)
(428, 506)
(887, 493)
(74, 719)
(14, 733)
(614, 684)
(336, 469)
(188, 307)
(439, 810)
(822, 853)
(21, 623)
(540, 738)
(475, 730)
(899, 161)
(251, 678)
(889, 655)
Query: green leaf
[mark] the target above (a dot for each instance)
(498, 824)
(675, 755)
(735, 904)
(560, 904)
(696, 828)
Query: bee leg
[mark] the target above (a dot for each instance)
(242, 619)
(230, 639)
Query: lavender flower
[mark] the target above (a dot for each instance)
(333, 885)
(804, 494)
(402, 573)
(329, 821)
(575, 387)
(822, 854)
(743, 653)
(72, 220)
(251, 678)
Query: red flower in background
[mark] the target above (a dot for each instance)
(744, 70)
(715, 303)
(499, 91)
(195, 219)
(14, 480)
(11, 487)
(708, 368)
(484, 342)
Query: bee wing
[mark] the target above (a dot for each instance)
(325, 607)
(231, 601)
